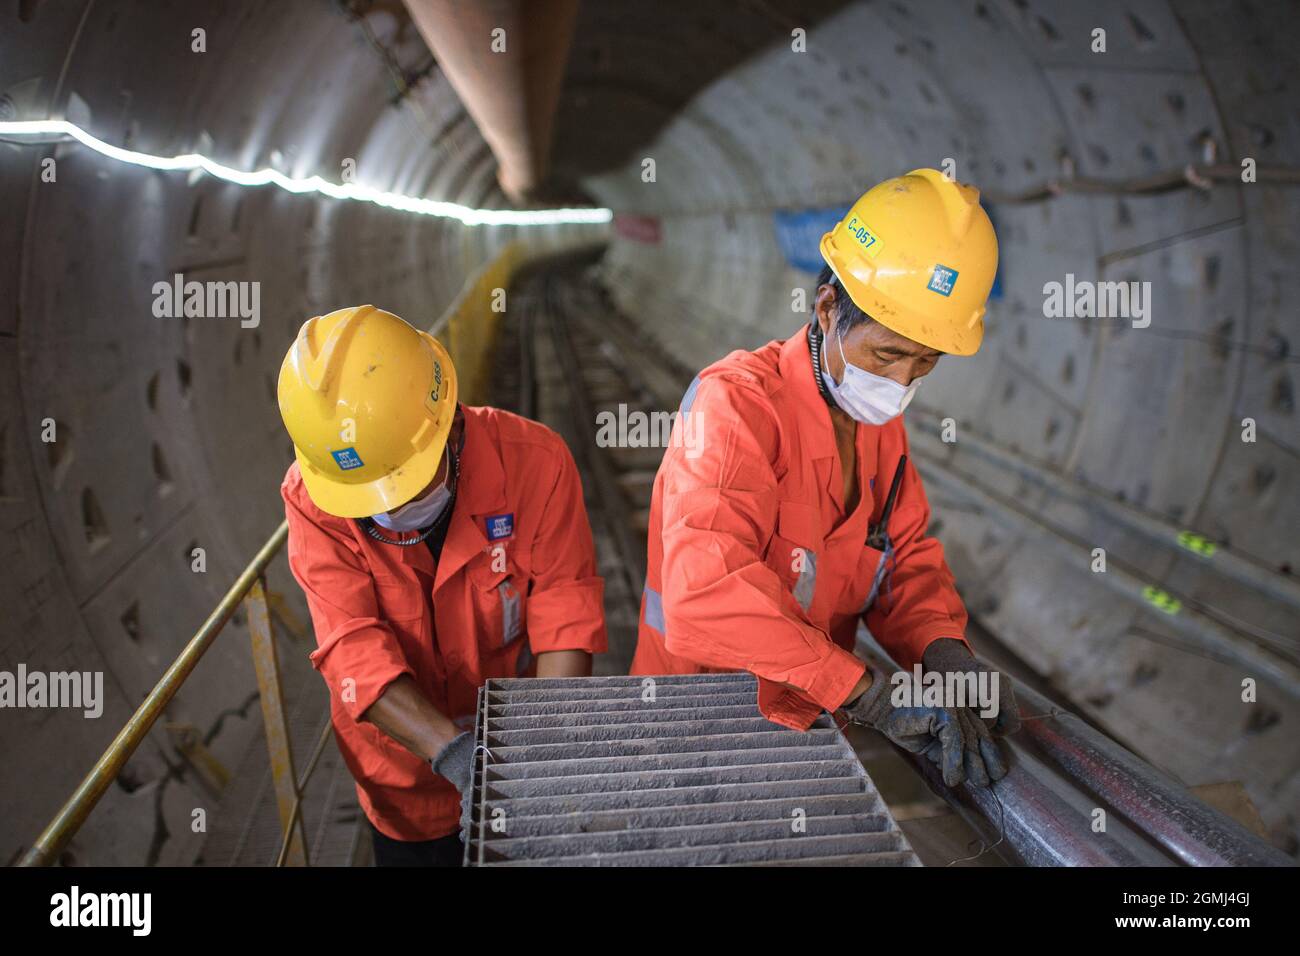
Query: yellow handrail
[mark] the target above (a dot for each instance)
(74, 813)
(286, 842)
(469, 328)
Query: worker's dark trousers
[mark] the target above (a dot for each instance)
(445, 851)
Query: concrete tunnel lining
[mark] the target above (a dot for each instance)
(170, 434)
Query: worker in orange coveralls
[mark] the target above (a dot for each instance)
(438, 545)
(789, 513)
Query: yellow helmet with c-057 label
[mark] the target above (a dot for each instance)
(918, 254)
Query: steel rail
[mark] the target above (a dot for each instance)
(1216, 556)
(1189, 829)
(1202, 632)
(604, 480)
(1043, 812)
(1033, 817)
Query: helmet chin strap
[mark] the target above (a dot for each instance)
(453, 452)
(815, 341)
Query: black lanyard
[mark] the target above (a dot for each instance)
(815, 342)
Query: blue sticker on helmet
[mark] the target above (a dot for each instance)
(347, 459)
(500, 526)
(942, 280)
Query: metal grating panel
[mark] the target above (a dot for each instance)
(586, 772)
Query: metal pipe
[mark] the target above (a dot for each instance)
(1154, 803)
(1043, 807)
(505, 59)
(1192, 175)
(74, 812)
(1218, 557)
(1032, 817)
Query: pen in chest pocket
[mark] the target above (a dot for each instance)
(878, 535)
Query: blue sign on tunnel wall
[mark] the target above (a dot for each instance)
(799, 234)
(996, 292)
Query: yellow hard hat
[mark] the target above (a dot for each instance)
(918, 254)
(368, 401)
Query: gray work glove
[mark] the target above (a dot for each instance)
(949, 656)
(456, 762)
(983, 758)
(932, 731)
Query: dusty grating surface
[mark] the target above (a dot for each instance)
(609, 771)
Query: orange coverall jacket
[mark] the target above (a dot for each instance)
(516, 577)
(752, 563)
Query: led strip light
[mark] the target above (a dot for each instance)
(313, 184)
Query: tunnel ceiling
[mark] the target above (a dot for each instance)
(170, 434)
(634, 66)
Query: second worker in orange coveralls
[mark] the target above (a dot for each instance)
(439, 545)
(771, 536)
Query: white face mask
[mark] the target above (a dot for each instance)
(865, 396)
(417, 514)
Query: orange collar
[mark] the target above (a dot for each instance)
(482, 494)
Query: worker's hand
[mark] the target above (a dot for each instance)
(982, 758)
(948, 656)
(456, 762)
(935, 732)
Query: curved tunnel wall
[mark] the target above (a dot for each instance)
(168, 437)
(1150, 416)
